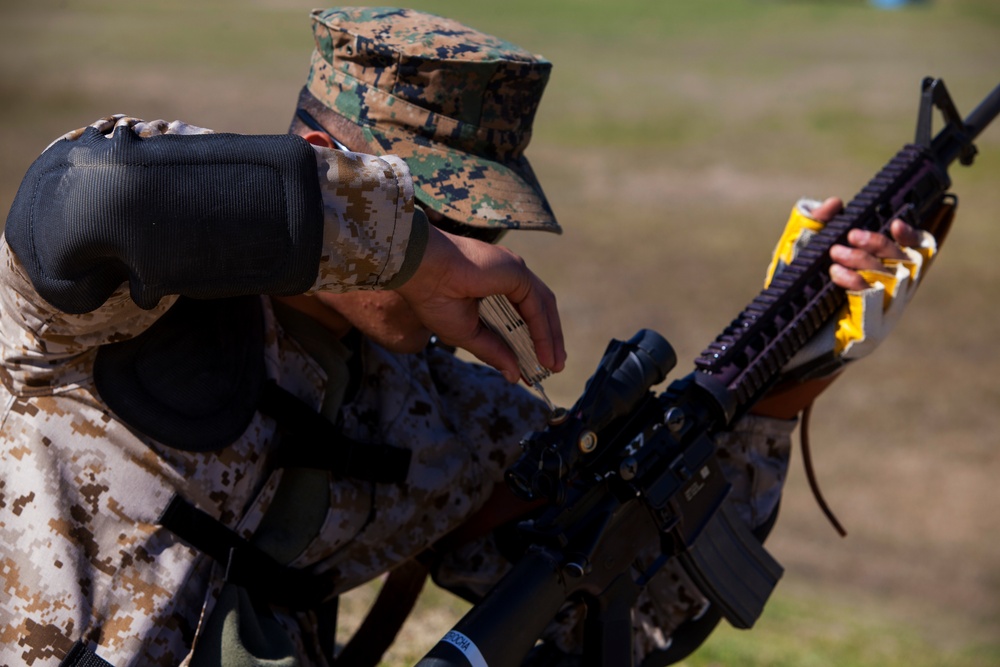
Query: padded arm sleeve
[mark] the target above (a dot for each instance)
(205, 216)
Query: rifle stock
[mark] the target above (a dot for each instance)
(626, 468)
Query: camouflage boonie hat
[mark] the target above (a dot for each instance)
(454, 103)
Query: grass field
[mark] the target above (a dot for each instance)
(673, 140)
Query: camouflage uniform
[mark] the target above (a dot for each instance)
(457, 105)
(82, 494)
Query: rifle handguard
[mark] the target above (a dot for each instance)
(869, 315)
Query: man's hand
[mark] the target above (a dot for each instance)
(866, 252)
(455, 272)
(866, 321)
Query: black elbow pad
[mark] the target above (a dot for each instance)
(205, 216)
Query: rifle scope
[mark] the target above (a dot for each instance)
(623, 378)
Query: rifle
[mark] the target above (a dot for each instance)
(625, 467)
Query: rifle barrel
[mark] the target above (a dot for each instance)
(952, 141)
(984, 113)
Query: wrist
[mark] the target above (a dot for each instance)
(787, 400)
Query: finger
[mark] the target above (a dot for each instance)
(491, 349)
(905, 234)
(847, 278)
(534, 301)
(457, 270)
(858, 259)
(875, 244)
(559, 343)
(539, 311)
(826, 211)
(457, 323)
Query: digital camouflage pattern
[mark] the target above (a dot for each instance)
(368, 205)
(81, 493)
(455, 103)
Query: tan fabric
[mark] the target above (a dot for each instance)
(81, 493)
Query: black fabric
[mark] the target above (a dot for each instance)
(192, 380)
(82, 655)
(207, 216)
(312, 441)
(246, 565)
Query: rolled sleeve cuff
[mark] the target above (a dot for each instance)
(370, 240)
(419, 235)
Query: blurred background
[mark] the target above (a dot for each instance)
(673, 140)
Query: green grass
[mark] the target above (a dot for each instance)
(673, 139)
(812, 632)
(798, 629)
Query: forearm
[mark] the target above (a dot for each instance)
(95, 259)
(788, 400)
(206, 216)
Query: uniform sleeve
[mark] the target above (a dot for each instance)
(371, 237)
(206, 216)
(117, 219)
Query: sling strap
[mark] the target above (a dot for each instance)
(82, 655)
(246, 565)
(309, 441)
(312, 441)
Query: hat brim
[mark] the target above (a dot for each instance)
(468, 188)
(459, 183)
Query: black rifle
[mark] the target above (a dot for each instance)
(625, 467)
